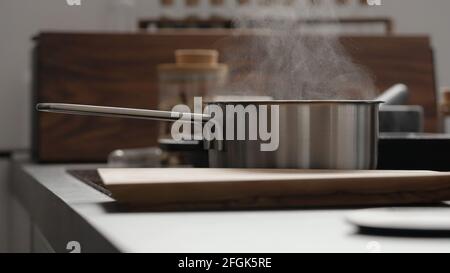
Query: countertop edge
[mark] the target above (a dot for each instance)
(64, 222)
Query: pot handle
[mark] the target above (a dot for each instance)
(396, 95)
(115, 112)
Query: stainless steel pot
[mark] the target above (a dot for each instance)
(312, 134)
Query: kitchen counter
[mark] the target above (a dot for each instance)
(64, 210)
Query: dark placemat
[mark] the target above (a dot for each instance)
(91, 178)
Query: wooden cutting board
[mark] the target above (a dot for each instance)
(261, 188)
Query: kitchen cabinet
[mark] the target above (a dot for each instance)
(19, 228)
(4, 175)
(16, 233)
(39, 243)
(23, 236)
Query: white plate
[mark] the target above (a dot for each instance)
(409, 219)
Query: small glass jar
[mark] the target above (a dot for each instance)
(196, 73)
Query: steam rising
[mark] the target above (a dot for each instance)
(288, 61)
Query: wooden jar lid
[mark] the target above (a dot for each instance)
(195, 61)
(197, 56)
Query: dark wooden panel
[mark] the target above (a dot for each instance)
(120, 70)
(407, 60)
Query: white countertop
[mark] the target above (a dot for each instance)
(66, 209)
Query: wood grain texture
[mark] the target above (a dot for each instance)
(120, 70)
(246, 188)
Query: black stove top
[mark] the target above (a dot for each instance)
(402, 151)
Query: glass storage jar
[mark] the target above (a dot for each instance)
(196, 73)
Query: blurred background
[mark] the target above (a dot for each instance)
(21, 20)
(110, 52)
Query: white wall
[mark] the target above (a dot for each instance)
(425, 17)
(21, 19)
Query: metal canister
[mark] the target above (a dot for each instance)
(340, 135)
